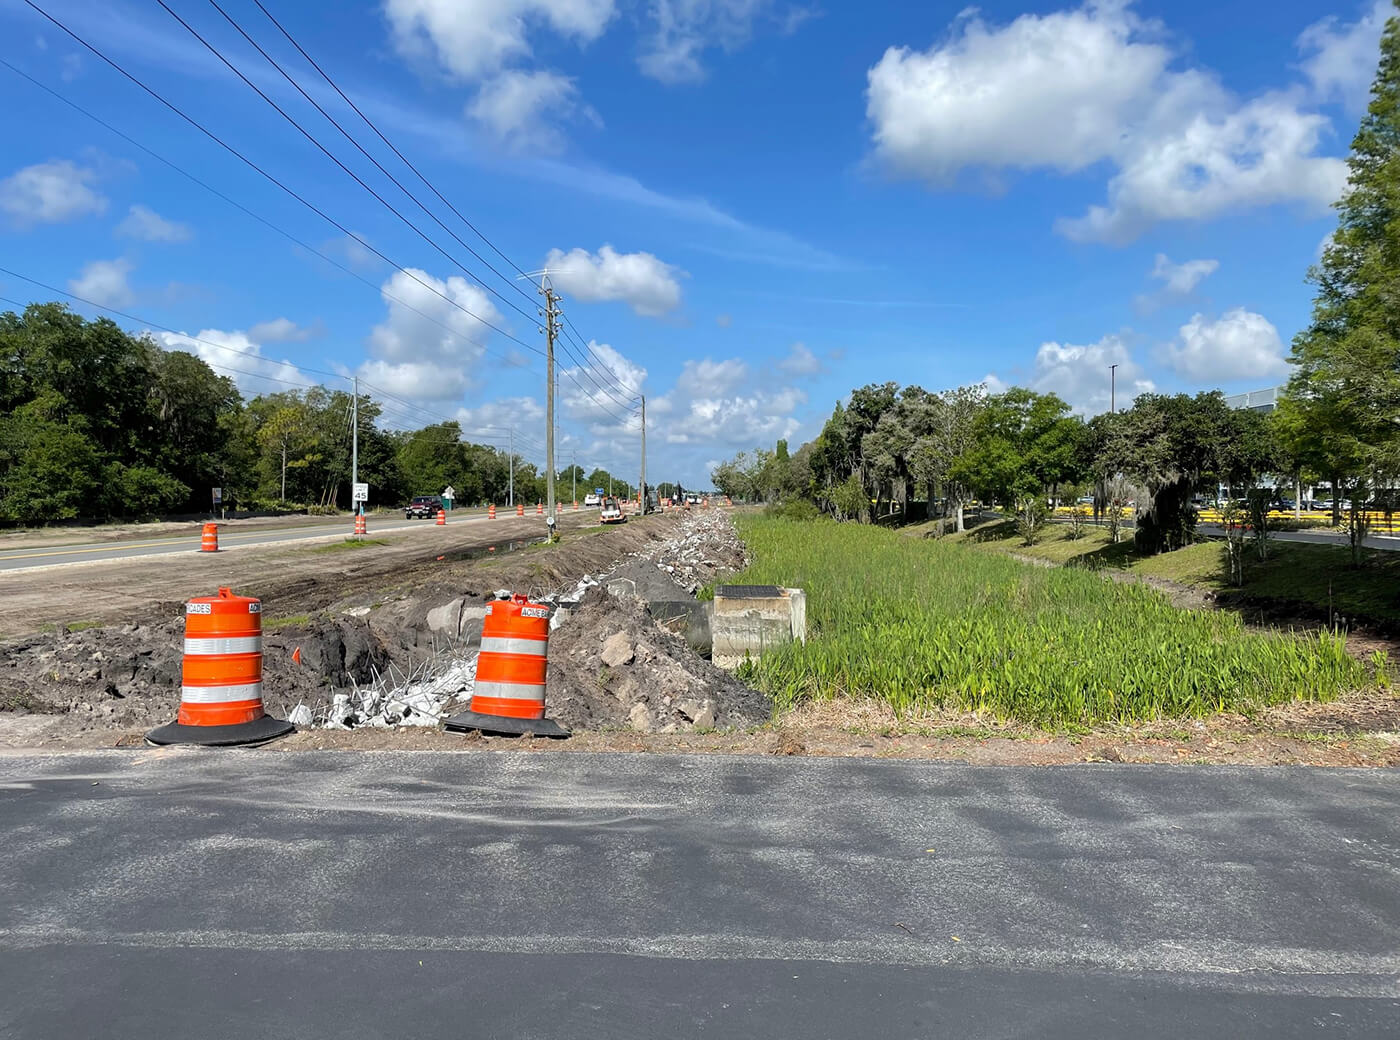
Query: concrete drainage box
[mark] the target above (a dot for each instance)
(751, 618)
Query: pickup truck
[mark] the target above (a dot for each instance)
(423, 507)
(592, 500)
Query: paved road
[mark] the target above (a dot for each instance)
(174, 893)
(1387, 543)
(229, 538)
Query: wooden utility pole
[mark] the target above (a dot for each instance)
(642, 507)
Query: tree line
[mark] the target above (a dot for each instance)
(96, 423)
(1337, 422)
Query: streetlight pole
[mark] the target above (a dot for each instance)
(1113, 388)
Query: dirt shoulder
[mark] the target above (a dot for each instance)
(291, 579)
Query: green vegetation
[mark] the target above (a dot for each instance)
(349, 544)
(923, 624)
(79, 626)
(98, 423)
(286, 621)
(1299, 576)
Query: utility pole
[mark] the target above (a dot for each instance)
(354, 445)
(1113, 388)
(642, 508)
(574, 473)
(510, 493)
(551, 329)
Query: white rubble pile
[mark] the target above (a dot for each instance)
(424, 698)
(705, 543)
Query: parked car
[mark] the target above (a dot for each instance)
(612, 512)
(423, 507)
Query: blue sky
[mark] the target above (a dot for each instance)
(751, 206)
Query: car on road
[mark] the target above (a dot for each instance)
(592, 500)
(612, 512)
(423, 507)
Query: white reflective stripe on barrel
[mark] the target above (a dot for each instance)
(513, 645)
(510, 691)
(221, 694)
(223, 645)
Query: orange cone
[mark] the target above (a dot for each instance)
(209, 538)
(508, 694)
(520, 509)
(442, 518)
(539, 508)
(491, 511)
(360, 527)
(221, 689)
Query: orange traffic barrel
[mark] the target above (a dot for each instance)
(442, 518)
(558, 507)
(508, 694)
(539, 508)
(575, 505)
(491, 511)
(520, 509)
(209, 538)
(360, 527)
(221, 687)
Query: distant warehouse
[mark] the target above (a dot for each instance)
(1257, 400)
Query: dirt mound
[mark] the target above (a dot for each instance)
(703, 546)
(611, 666)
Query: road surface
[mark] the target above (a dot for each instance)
(176, 893)
(229, 538)
(1387, 543)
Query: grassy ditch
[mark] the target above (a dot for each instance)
(925, 624)
(1317, 580)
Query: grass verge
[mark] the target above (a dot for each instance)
(923, 624)
(349, 544)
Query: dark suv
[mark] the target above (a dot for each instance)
(423, 507)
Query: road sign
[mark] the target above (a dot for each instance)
(361, 492)
(218, 495)
(449, 492)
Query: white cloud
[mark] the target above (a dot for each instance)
(1239, 345)
(706, 378)
(50, 193)
(238, 356)
(146, 224)
(523, 110)
(470, 39)
(1341, 57)
(1083, 375)
(283, 330)
(1066, 90)
(645, 283)
(1178, 280)
(427, 345)
(105, 283)
(1256, 155)
(682, 30)
(594, 393)
(736, 420)
(801, 361)
(352, 251)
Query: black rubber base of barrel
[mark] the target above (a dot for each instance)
(504, 726)
(259, 731)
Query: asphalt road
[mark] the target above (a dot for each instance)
(229, 538)
(177, 893)
(1388, 543)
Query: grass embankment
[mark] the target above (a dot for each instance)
(1308, 578)
(925, 624)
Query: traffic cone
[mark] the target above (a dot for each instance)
(442, 518)
(539, 508)
(520, 509)
(491, 511)
(360, 527)
(508, 693)
(221, 687)
(209, 538)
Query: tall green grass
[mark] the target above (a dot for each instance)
(924, 624)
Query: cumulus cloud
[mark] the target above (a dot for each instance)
(1083, 375)
(431, 339)
(523, 110)
(681, 31)
(283, 330)
(1065, 90)
(239, 356)
(598, 392)
(648, 285)
(146, 224)
(1178, 280)
(801, 361)
(735, 420)
(1237, 346)
(52, 192)
(1341, 56)
(708, 378)
(469, 39)
(105, 283)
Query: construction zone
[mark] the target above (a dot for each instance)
(606, 635)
